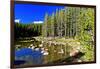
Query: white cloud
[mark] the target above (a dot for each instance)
(17, 20)
(36, 22)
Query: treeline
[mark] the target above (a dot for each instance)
(27, 30)
(69, 22)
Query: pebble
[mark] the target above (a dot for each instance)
(40, 45)
(36, 49)
(79, 60)
(31, 45)
(45, 53)
(61, 51)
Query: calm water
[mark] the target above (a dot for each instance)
(25, 55)
(29, 56)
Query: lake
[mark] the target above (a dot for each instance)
(29, 56)
(42, 52)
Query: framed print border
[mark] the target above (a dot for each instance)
(46, 3)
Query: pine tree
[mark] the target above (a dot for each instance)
(44, 32)
(52, 25)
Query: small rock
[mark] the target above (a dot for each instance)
(41, 45)
(45, 53)
(31, 45)
(61, 51)
(36, 49)
(42, 49)
(74, 52)
(18, 45)
(78, 43)
(46, 49)
(42, 42)
(79, 60)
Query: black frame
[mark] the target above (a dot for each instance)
(43, 3)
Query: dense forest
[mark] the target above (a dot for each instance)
(70, 22)
(27, 30)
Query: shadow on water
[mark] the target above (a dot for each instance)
(69, 59)
(19, 62)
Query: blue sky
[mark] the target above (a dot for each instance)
(28, 13)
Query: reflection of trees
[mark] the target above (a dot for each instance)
(70, 59)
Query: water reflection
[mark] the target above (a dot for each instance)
(45, 52)
(29, 56)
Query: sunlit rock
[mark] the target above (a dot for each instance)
(78, 48)
(18, 45)
(46, 49)
(50, 43)
(74, 52)
(31, 44)
(42, 41)
(41, 45)
(36, 49)
(42, 48)
(61, 51)
(45, 53)
(78, 43)
(29, 47)
(42, 51)
(32, 47)
(79, 60)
